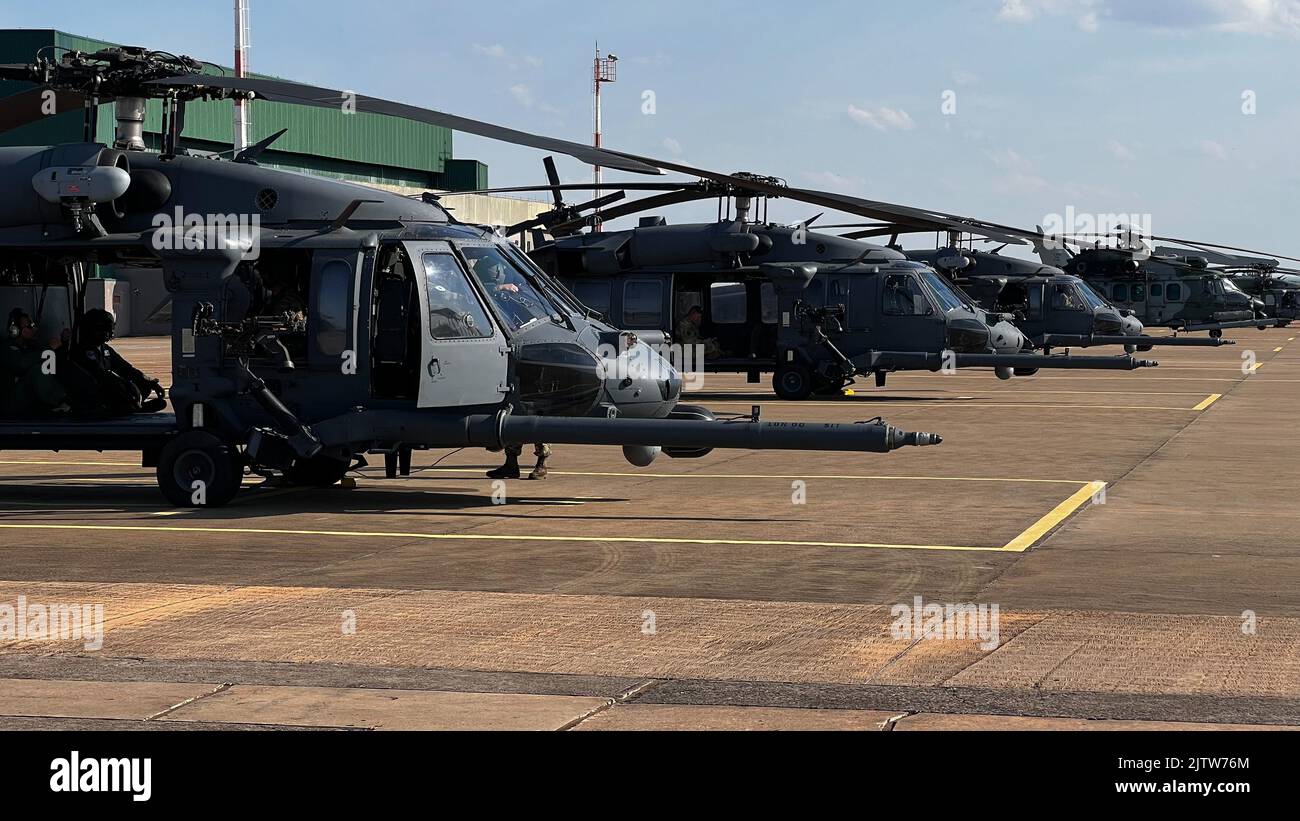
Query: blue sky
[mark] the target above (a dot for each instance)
(1106, 106)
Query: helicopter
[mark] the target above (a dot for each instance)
(1264, 279)
(1172, 290)
(813, 309)
(1055, 309)
(416, 331)
(1178, 291)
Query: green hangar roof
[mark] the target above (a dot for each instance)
(371, 148)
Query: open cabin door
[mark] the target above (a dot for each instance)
(463, 353)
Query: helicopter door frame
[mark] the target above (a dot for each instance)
(338, 272)
(464, 360)
(911, 329)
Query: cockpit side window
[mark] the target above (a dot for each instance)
(454, 310)
(515, 297)
(1065, 298)
(903, 296)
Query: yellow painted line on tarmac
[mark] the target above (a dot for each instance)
(489, 537)
(1060, 513)
(53, 462)
(1209, 400)
(804, 476)
(1277, 349)
(1020, 544)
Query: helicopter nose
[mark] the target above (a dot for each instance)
(1006, 337)
(642, 384)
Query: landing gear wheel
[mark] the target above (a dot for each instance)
(1216, 334)
(793, 383)
(318, 471)
(1026, 371)
(198, 469)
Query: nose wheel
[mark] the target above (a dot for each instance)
(793, 383)
(199, 469)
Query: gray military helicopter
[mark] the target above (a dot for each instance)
(416, 331)
(1055, 309)
(1178, 291)
(1170, 290)
(1262, 278)
(813, 309)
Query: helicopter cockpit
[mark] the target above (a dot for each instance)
(514, 295)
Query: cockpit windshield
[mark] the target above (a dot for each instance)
(948, 298)
(515, 297)
(1090, 297)
(1231, 287)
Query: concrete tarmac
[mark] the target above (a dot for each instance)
(1137, 533)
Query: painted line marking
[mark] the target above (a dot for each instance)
(1059, 514)
(1020, 544)
(1277, 349)
(453, 469)
(488, 537)
(1209, 400)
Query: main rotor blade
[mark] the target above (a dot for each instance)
(580, 186)
(553, 177)
(283, 91)
(29, 106)
(635, 207)
(1198, 244)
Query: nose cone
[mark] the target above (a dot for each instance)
(641, 383)
(1131, 326)
(1006, 337)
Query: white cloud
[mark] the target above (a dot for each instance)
(882, 119)
(1018, 175)
(524, 96)
(830, 181)
(498, 52)
(1261, 17)
(1119, 151)
(1213, 150)
(672, 146)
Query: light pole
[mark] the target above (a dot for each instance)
(604, 70)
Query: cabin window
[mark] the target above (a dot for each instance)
(1157, 289)
(643, 304)
(595, 294)
(332, 307)
(1119, 292)
(1139, 292)
(1065, 298)
(1174, 293)
(770, 306)
(903, 296)
(454, 310)
(727, 303)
